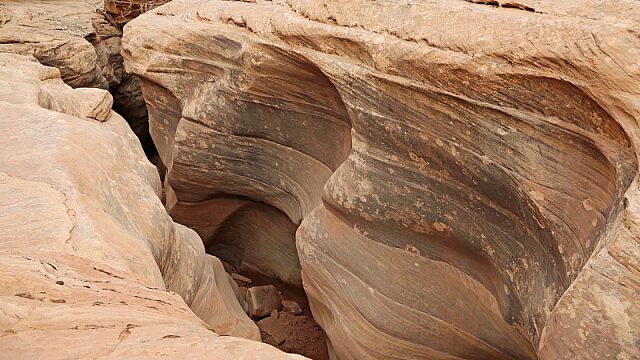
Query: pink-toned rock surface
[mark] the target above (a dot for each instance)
(55, 33)
(90, 263)
(76, 37)
(486, 209)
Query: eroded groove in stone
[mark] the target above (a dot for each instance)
(87, 252)
(237, 126)
(492, 149)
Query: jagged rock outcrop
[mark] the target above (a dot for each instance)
(76, 37)
(480, 213)
(90, 263)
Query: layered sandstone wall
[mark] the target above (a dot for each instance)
(459, 170)
(91, 265)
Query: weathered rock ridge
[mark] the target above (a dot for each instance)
(91, 265)
(463, 174)
(76, 37)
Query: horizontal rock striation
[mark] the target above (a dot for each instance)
(480, 211)
(90, 263)
(235, 139)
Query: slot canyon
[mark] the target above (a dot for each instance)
(321, 179)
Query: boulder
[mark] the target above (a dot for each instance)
(90, 262)
(462, 172)
(263, 300)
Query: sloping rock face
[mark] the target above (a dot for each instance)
(487, 207)
(55, 33)
(76, 37)
(90, 263)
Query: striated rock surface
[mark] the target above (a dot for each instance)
(90, 263)
(485, 209)
(598, 316)
(242, 173)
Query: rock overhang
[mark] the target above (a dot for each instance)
(500, 158)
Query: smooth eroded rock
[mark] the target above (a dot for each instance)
(76, 37)
(90, 262)
(491, 151)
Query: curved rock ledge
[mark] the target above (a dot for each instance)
(234, 141)
(86, 247)
(479, 211)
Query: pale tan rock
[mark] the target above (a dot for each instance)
(491, 151)
(99, 312)
(90, 263)
(55, 33)
(76, 37)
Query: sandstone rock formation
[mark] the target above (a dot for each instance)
(90, 263)
(463, 172)
(125, 88)
(76, 37)
(55, 33)
(123, 11)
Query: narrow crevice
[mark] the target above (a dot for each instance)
(124, 87)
